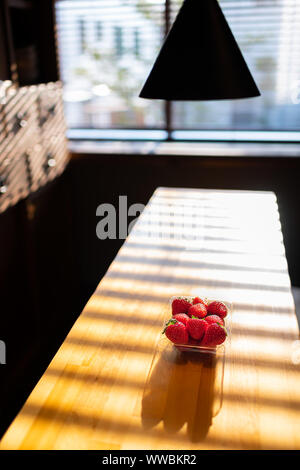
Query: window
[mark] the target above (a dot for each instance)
(137, 43)
(99, 30)
(119, 51)
(81, 33)
(104, 72)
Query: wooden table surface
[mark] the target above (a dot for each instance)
(115, 384)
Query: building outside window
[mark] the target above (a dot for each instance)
(99, 30)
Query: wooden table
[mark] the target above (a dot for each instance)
(112, 385)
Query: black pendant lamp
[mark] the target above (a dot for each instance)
(200, 59)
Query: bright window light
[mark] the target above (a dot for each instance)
(107, 48)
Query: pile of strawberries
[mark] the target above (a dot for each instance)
(196, 322)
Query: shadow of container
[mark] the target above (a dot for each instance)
(183, 388)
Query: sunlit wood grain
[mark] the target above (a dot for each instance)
(116, 384)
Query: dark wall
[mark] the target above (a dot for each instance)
(39, 289)
(27, 29)
(102, 178)
(5, 59)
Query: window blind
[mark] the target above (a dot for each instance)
(107, 48)
(103, 67)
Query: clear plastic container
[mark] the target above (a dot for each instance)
(203, 349)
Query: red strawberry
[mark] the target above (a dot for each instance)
(180, 305)
(197, 310)
(217, 308)
(197, 300)
(196, 327)
(214, 319)
(182, 317)
(215, 334)
(176, 332)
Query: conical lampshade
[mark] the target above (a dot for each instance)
(200, 59)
